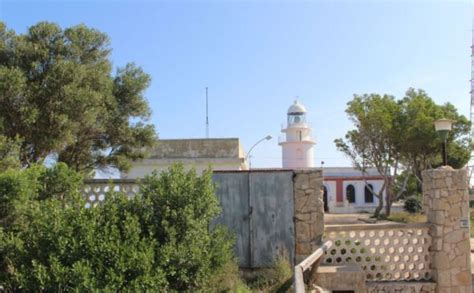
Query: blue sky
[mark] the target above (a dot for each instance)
(256, 56)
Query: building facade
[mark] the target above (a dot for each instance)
(221, 154)
(347, 190)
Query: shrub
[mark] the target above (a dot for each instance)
(66, 248)
(9, 152)
(17, 187)
(413, 204)
(276, 278)
(157, 241)
(177, 208)
(60, 182)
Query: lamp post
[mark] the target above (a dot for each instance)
(249, 199)
(443, 127)
(268, 137)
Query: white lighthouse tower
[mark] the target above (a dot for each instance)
(297, 148)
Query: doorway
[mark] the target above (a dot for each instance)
(325, 199)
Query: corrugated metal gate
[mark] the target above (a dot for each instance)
(260, 214)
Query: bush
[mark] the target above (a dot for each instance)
(73, 248)
(413, 204)
(273, 279)
(157, 241)
(18, 187)
(177, 207)
(9, 152)
(60, 182)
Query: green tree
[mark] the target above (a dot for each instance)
(399, 137)
(59, 96)
(407, 185)
(158, 241)
(373, 142)
(9, 153)
(421, 144)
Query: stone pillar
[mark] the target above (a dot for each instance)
(446, 203)
(309, 212)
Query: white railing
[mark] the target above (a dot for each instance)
(95, 190)
(312, 262)
(386, 252)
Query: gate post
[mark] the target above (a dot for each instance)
(308, 211)
(446, 204)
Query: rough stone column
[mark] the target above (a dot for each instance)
(446, 203)
(309, 212)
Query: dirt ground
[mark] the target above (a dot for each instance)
(333, 219)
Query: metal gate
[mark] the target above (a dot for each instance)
(258, 207)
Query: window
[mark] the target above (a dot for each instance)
(369, 196)
(295, 118)
(300, 136)
(350, 193)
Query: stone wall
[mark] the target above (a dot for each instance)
(398, 287)
(309, 212)
(446, 203)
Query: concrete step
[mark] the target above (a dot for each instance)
(341, 277)
(401, 286)
(317, 289)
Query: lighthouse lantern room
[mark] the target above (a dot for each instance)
(297, 148)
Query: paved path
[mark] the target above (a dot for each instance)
(344, 219)
(333, 219)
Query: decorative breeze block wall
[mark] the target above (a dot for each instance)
(386, 252)
(95, 191)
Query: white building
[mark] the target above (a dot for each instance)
(217, 153)
(346, 190)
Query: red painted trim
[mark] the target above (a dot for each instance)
(339, 197)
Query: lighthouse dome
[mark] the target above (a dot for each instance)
(296, 108)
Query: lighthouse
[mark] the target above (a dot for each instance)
(297, 146)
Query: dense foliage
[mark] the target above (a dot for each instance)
(157, 241)
(397, 136)
(9, 153)
(413, 204)
(59, 98)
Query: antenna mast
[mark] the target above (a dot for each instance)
(207, 115)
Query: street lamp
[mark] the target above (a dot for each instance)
(443, 127)
(268, 137)
(249, 201)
